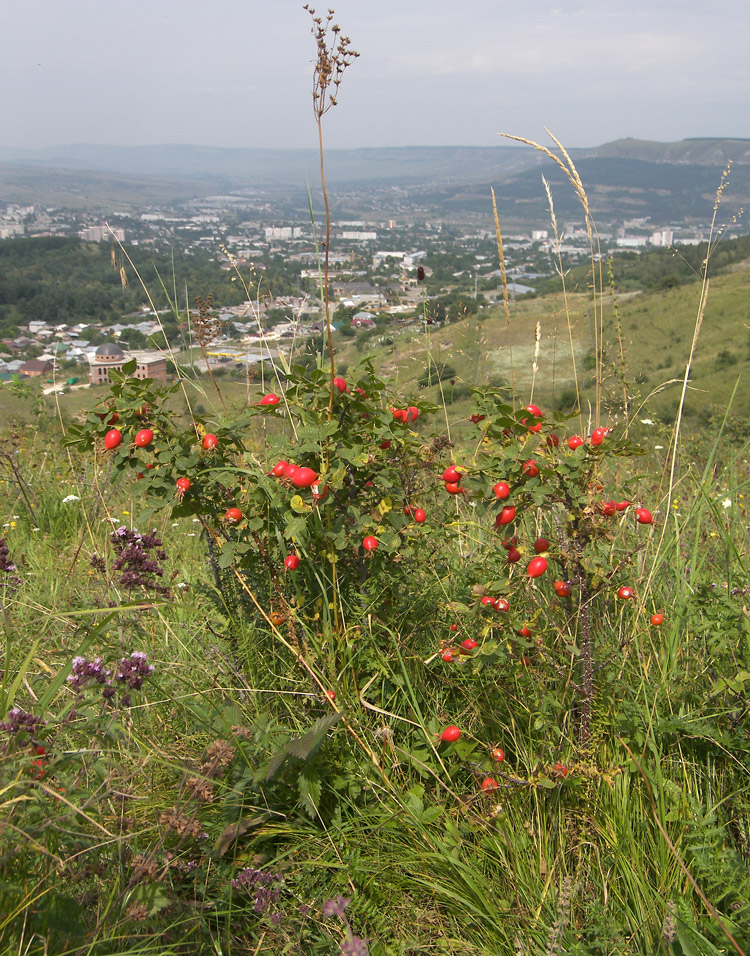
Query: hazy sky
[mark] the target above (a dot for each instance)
(238, 72)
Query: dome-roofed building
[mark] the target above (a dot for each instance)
(111, 356)
(109, 352)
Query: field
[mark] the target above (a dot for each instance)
(327, 722)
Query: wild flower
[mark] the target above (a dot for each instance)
(351, 945)
(131, 670)
(8, 577)
(19, 722)
(139, 557)
(83, 672)
(265, 888)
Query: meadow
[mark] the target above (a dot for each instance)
(417, 746)
(374, 663)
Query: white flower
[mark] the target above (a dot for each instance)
(659, 447)
(196, 520)
(646, 421)
(66, 501)
(726, 503)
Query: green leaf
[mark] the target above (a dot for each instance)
(304, 747)
(310, 788)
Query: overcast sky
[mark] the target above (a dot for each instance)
(238, 72)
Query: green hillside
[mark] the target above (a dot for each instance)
(657, 329)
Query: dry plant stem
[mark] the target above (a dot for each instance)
(326, 297)
(561, 273)
(676, 855)
(587, 666)
(158, 319)
(506, 308)
(568, 167)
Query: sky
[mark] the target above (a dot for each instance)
(239, 72)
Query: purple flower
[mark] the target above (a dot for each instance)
(131, 670)
(336, 907)
(20, 722)
(354, 946)
(83, 672)
(264, 887)
(139, 557)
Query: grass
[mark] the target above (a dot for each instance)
(431, 862)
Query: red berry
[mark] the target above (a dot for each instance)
(525, 631)
(385, 444)
(209, 441)
(469, 644)
(575, 441)
(622, 505)
(290, 470)
(498, 754)
(534, 410)
(278, 468)
(553, 440)
(488, 601)
(530, 468)
(450, 734)
(270, 399)
(509, 543)
(597, 436)
(304, 477)
(643, 516)
(489, 783)
(560, 770)
(183, 485)
(657, 619)
(514, 555)
(453, 488)
(112, 439)
(331, 694)
(501, 490)
(454, 627)
(501, 604)
(370, 543)
(541, 545)
(608, 508)
(143, 438)
(537, 566)
(233, 515)
(562, 588)
(412, 413)
(451, 475)
(319, 492)
(625, 593)
(506, 516)
(340, 384)
(447, 655)
(291, 562)
(420, 516)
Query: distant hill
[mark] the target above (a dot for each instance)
(668, 182)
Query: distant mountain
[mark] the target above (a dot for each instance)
(697, 152)
(669, 182)
(282, 167)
